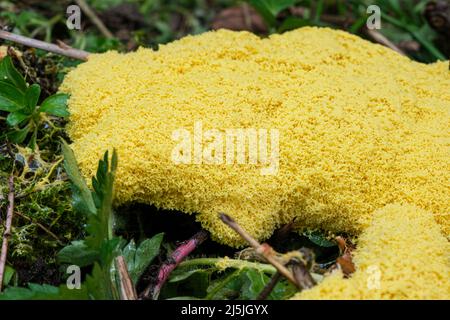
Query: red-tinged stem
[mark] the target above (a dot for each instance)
(177, 256)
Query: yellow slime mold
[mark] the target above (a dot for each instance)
(402, 255)
(359, 127)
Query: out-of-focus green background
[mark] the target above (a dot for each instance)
(420, 28)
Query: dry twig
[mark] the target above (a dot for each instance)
(7, 232)
(58, 49)
(127, 290)
(94, 18)
(264, 249)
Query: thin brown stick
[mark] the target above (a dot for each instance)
(127, 290)
(94, 18)
(29, 42)
(7, 232)
(263, 249)
(378, 37)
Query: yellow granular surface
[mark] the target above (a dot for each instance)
(360, 127)
(401, 255)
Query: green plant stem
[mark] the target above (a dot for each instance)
(229, 263)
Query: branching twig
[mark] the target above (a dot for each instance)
(178, 255)
(29, 42)
(127, 290)
(93, 17)
(264, 249)
(7, 232)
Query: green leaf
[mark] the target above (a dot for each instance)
(78, 253)
(193, 283)
(129, 254)
(226, 288)
(265, 13)
(56, 105)
(8, 275)
(9, 73)
(15, 118)
(43, 292)
(178, 276)
(99, 284)
(269, 9)
(319, 10)
(100, 225)
(32, 97)
(291, 23)
(81, 195)
(144, 255)
(256, 281)
(254, 284)
(100, 247)
(319, 238)
(11, 99)
(18, 136)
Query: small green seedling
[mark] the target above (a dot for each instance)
(20, 101)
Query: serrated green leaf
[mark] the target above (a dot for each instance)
(100, 247)
(78, 253)
(11, 99)
(9, 73)
(56, 105)
(32, 97)
(99, 284)
(17, 117)
(81, 195)
(100, 225)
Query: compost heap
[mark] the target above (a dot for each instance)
(363, 144)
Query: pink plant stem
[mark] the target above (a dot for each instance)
(177, 256)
